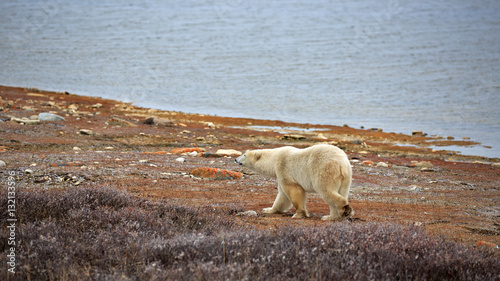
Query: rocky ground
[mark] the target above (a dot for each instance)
(397, 178)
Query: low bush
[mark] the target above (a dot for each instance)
(100, 233)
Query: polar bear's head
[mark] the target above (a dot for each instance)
(249, 158)
(260, 161)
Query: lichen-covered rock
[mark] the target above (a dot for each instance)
(216, 174)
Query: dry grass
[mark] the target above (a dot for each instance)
(100, 233)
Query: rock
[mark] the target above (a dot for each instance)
(86, 132)
(76, 148)
(450, 138)
(155, 120)
(250, 213)
(228, 152)
(180, 160)
(25, 121)
(97, 105)
(486, 244)
(495, 164)
(28, 171)
(382, 164)
(321, 136)
(422, 164)
(367, 162)
(293, 137)
(2, 163)
(216, 174)
(114, 121)
(187, 149)
(45, 116)
(417, 133)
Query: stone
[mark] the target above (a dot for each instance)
(486, 244)
(25, 121)
(114, 121)
(155, 120)
(2, 163)
(495, 164)
(86, 132)
(382, 164)
(228, 152)
(45, 116)
(215, 174)
(250, 213)
(97, 105)
(293, 137)
(417, 133)
(28, 171)
(187, 150)
(422, 164)
(180, 160)
(321, 136)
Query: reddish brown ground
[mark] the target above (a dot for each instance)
(457, 197)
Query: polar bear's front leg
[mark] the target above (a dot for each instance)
(281, 203)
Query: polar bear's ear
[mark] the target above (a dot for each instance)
(257, 156)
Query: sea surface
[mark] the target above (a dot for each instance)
(426, 65)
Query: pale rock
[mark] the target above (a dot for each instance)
(228, 152)
(180, 160)
(25, 121)
(382, 164)
(250, 213)
(2, 163)
(45, 116)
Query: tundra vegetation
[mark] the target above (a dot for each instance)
(101, 233)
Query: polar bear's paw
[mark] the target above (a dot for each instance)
(348, 212)
(301, 215)
(269, 211)
(328, 218)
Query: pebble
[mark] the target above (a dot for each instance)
(2, 163)
(45, 116)
(25, 121)
(486, 244)
(28, 171)
(114, 121)
(76, 148)
(382, 164)
(250, 213)
(155, 120)
(97, 105)
(423, 164)
(86, 132)
(367, 162)
(180, 160)
(293, 137)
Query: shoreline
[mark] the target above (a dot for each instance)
(396, 177)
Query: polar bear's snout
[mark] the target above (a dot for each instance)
(240, 159)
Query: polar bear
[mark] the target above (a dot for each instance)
(322, 169)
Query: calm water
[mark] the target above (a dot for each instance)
(398, 65)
